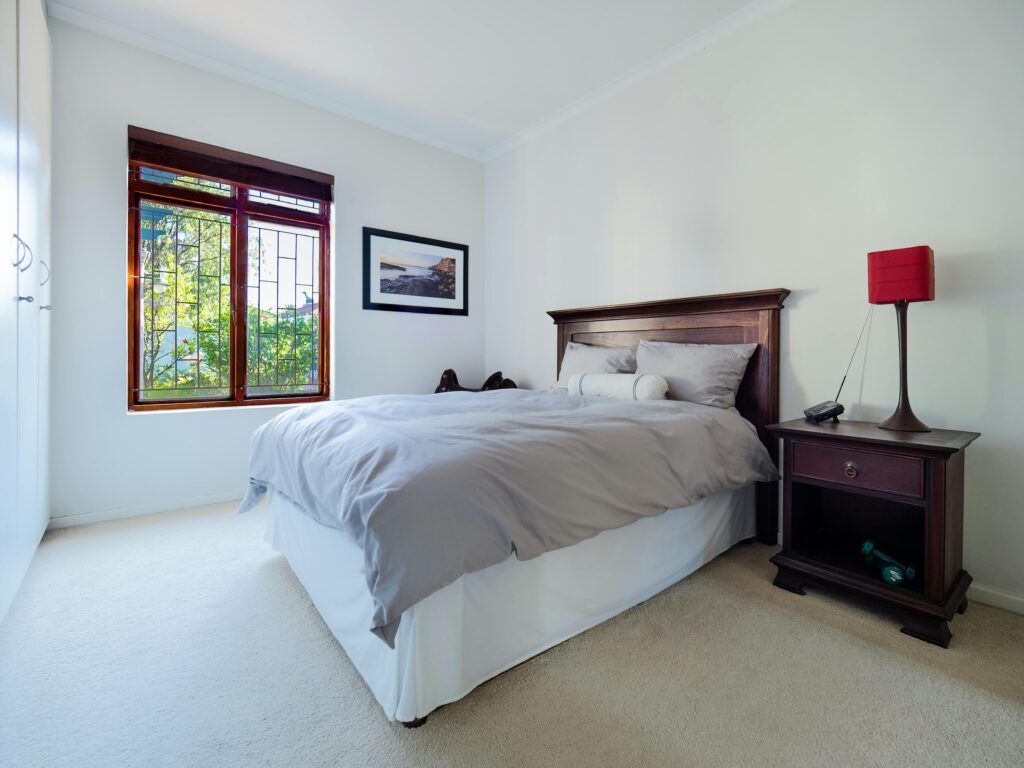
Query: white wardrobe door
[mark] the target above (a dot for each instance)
(34, 228)
(11, 558)
(25, 158)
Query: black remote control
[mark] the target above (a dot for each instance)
(830, 409)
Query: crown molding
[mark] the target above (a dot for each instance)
(138, 39)
(694, 44)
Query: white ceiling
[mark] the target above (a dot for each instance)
(468, 75)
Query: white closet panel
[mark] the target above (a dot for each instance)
(11, 557)
(25, 114)
(34, 229)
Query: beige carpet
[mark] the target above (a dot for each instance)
(183, 640)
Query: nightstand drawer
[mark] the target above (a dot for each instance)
(901, 475)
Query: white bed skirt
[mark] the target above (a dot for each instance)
(491, 620)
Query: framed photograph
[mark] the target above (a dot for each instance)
(405, 273)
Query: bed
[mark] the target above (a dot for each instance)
(488, 619)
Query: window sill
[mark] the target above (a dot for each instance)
(220, 407)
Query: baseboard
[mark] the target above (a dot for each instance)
(120, 513)
(996, 597)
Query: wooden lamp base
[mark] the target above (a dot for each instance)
(903, 418)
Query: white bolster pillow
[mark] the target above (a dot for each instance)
(621, 386)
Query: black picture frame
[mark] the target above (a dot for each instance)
(368, 303)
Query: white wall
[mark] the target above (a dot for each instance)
(106, 461)
(779, 156)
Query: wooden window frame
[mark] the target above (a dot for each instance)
(155, 150)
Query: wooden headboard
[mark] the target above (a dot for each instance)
(728, 318)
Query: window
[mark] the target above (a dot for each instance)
(228, 277)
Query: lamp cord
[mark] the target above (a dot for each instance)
(856, 346)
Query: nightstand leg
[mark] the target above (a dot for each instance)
(930, 630)
(963, 607)
(789, 580)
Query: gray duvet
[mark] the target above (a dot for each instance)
(435, 486)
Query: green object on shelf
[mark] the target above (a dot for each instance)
(893, 572)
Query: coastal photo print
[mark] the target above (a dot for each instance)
(405, 273)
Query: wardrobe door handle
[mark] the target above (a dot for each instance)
(23, 248)
(28, 299)
(46, 306)
(44, 265)
(19, 251)
(31, 256)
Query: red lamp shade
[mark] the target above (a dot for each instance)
(903, 274)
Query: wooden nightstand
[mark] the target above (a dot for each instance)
(850, 482)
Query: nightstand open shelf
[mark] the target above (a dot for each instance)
(830, 525)
(849, 482)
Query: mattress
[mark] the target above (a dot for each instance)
(488, 621)
(432, 487)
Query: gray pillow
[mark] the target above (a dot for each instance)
(700, 373)
(584, 358)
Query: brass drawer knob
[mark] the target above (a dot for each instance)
(852, 469)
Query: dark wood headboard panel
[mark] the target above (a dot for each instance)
(728, 318)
